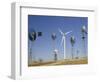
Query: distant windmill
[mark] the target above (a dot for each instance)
(53, 36)
(72, 40)
(40, 60)
(64, 41)
(84, 32)
(55, 54)
(32, 37)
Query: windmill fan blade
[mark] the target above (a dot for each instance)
(62, 40)
(68, 32)
(61, 31)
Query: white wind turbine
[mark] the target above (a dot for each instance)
(64, 40)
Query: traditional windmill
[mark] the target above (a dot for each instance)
(84, 32)
(72, 41)
(55, 52)
(32, 37)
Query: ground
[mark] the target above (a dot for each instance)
(60, 62)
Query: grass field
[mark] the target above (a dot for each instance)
(60, 62)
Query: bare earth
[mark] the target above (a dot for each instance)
(61, 62)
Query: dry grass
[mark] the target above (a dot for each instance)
(61, 62)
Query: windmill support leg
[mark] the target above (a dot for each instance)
(83, 38)
(53, 49)
(84, 47)
(72, 53)
(55, 57)
(30, 54)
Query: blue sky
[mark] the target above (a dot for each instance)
(42, 47)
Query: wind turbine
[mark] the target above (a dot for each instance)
(64, 40)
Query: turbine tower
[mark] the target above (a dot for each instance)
(64, 41)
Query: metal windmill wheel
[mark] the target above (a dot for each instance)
(53, 36)
(32, 36)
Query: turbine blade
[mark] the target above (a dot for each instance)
(62, 40)
(61, 31)
(68, 32)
